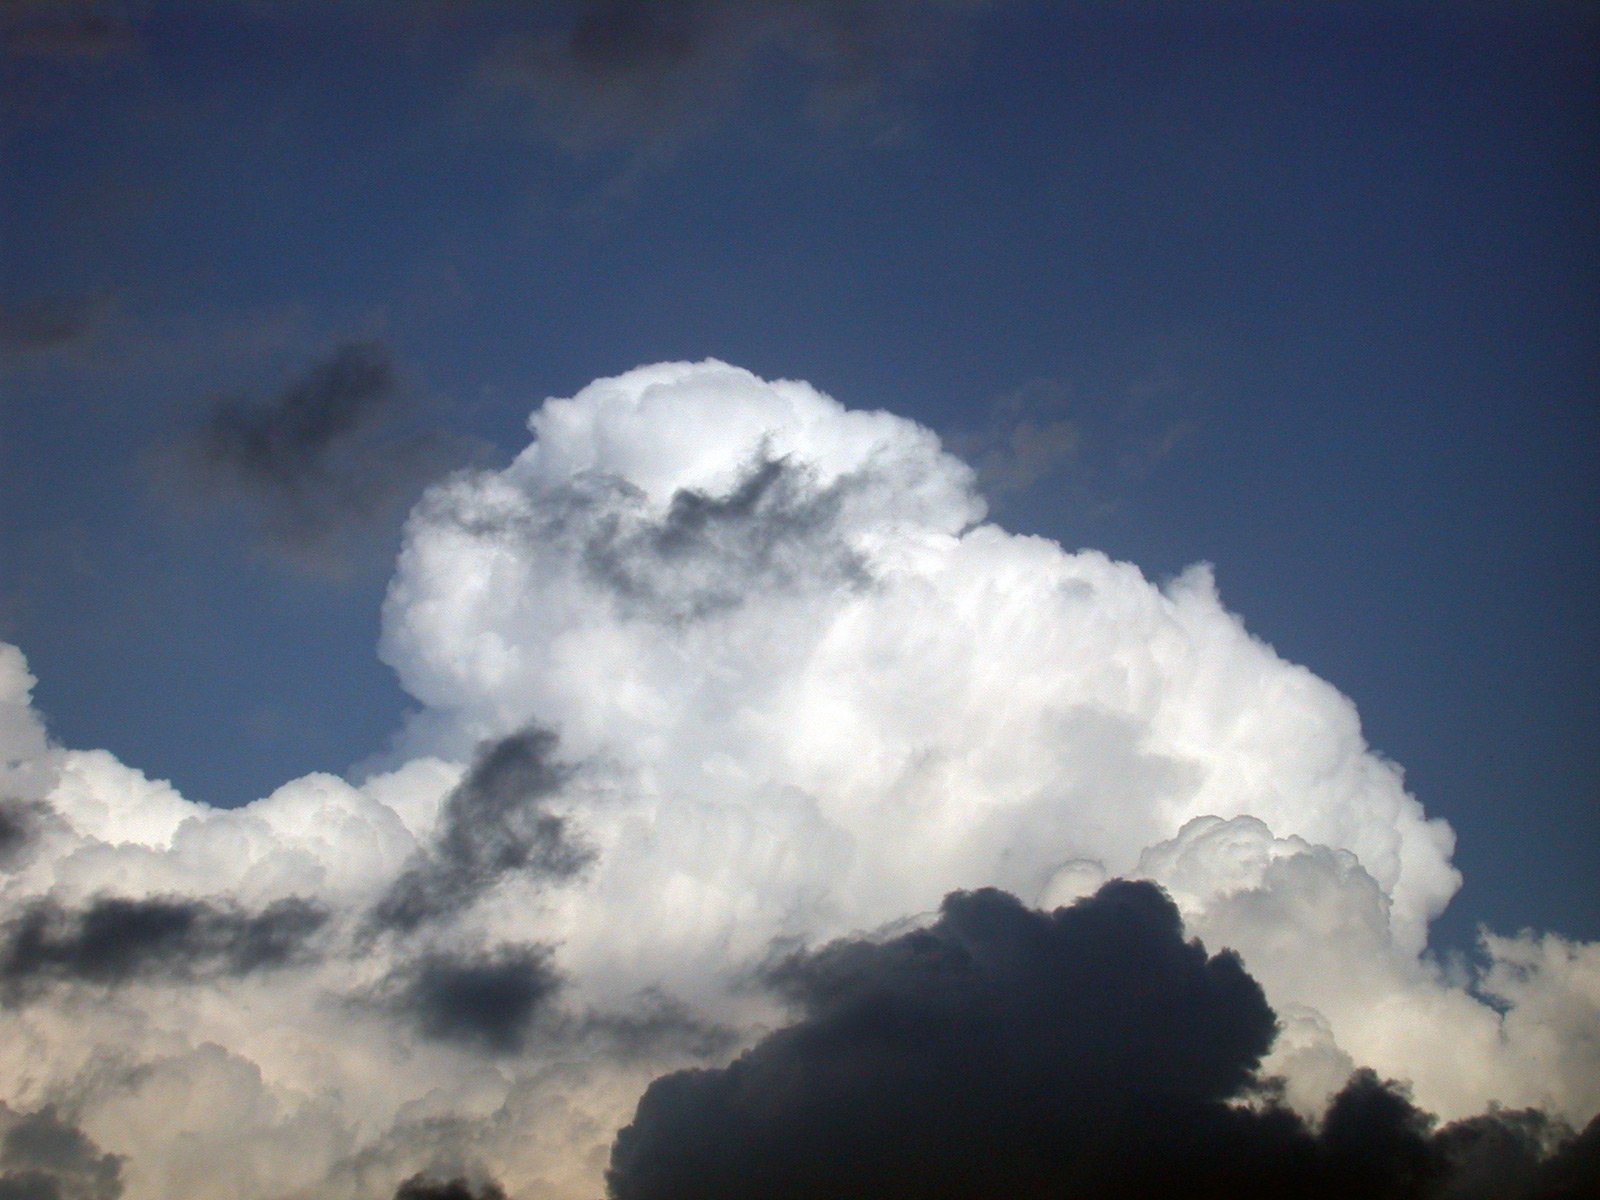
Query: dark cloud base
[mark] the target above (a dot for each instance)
(1089, 1052)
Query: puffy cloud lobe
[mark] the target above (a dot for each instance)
(1085, 1052)
(43, 1157)
(987, 1054)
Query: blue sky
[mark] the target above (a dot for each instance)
(1307, 292)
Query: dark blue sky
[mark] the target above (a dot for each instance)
(1308, 291)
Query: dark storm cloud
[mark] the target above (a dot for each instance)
(325, 463)
(423, 1187)
(492, 824)
(484, 1001)
(649, 74)
(43, 1157)
(49, 323)
(1006, 1052)
(772, 531)
(115, 941)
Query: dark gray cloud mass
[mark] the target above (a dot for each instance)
(43, 1157)
(1089, 1052)
(483, 1000)
(774, 530)
(423, 1187)
(114, 941)
(492, 824)
(325, 464)
(19, 820)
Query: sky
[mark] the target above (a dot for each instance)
(1227, 521)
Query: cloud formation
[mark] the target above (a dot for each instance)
(491, 824)
(114, 940)
(43, 1157)
(1088, 1052)
(322, 465)
(714, 675)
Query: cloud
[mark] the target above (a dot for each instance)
(715, 672)
(1091, 1051)
(43, 1157)
(421, 1187)
(998, 1051)
(492, 825)
(323, 466)
(651, 76)
(484, 1001)
(115, 941)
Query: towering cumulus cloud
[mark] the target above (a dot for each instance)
(757, 781)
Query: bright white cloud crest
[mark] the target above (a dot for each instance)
(799, 690)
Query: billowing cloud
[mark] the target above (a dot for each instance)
(43, 1157)
(321, 465)
(1088, 1052)
(714, 675)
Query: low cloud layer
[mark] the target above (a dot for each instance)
(722, 688)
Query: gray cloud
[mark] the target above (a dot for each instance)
(774, 530)
(19, 822)
(424, 1187)
(42, 1157)
(325, 465)
(114, 941)
(1089, 1052)
(492, 824)
(484, 1000)
(650, 75)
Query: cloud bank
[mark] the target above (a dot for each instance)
(723, 689)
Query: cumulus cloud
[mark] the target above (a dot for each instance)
(718, 673)
(1087, 1052)
(43, 1157)
(322, 465)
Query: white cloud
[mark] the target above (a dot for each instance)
(800, 690)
